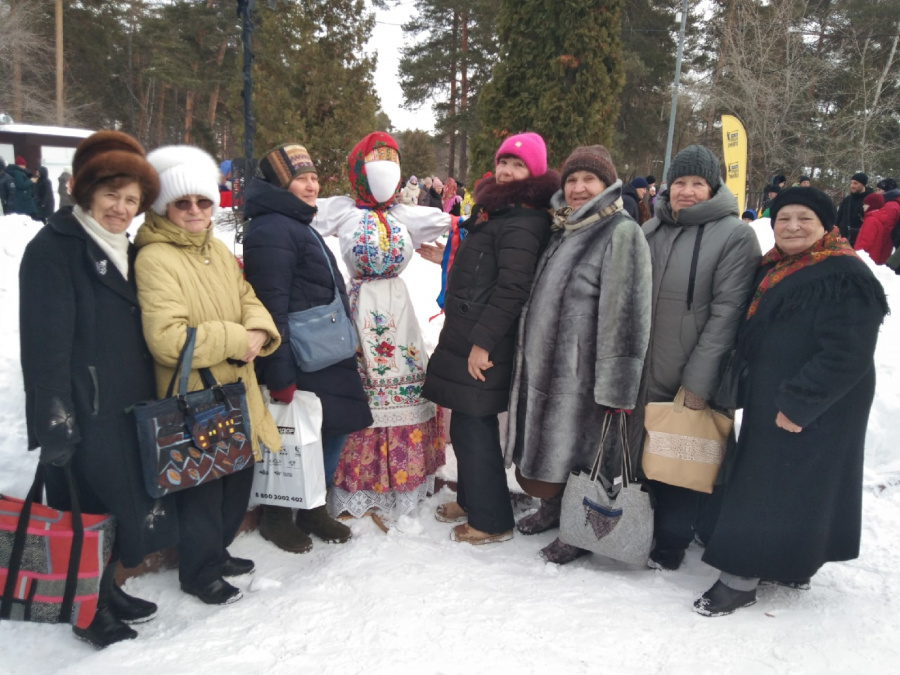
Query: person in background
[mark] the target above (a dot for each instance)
(885, 185)
(64, 188)
(22, 200)
(423, 198)
(409, 195)
(7, 188)
(471, 368)
(850, 213)
(188, 278)
(792, 497)
(804, 181)
(435, 195)
(878, 224)
(450, 201)
(292, 270)
(704, 258)
(748, 216)
(591, 288)
(43, 195)
(85, 361)
(770, 192)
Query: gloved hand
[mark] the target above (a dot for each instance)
(693, 401)
(285, 395)
(59, 455)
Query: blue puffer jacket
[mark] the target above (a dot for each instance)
(289, 273)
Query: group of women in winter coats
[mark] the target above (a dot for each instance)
(559, 308)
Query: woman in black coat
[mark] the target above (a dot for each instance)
(44, 196)
(85, 362)
(291, 270)
(805, 376)
(471, 368)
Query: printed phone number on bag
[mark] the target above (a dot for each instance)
(283, 498)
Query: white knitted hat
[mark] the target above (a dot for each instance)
(184, 170)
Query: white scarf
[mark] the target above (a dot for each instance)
(113, 245)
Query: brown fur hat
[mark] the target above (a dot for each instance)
(111, 154)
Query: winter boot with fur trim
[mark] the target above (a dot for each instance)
(317, 521)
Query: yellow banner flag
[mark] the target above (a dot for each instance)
(734, 146)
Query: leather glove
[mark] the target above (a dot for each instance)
(692, 401)
(59, 455)
(285, 395)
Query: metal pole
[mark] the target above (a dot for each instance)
(60, 107)
(675, 84)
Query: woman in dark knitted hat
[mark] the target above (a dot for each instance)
(704, 257)
(560, 395)
(84, 361)
(804, 370)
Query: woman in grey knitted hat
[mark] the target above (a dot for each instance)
(704, 258)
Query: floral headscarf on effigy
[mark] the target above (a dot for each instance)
(375, 176)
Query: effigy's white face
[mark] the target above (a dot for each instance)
(383, 176)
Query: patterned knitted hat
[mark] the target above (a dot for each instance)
(696, 160)
(593, 158)
(527, 146)
(812, 198)
(184, 170)
(111, 154)
(376, 146)
(283, 164)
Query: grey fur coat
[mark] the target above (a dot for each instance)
(582, 339)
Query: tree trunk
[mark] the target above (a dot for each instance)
(214, 96)
(160, 106)
(17, 86)
(464, 98)
(189, 109)
(453, 65)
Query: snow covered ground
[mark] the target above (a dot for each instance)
(412, 601)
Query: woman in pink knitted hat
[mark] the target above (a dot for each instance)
(471, 368)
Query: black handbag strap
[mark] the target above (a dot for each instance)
(183, 364)
(18, 548)
(694, 258)
(318, 239)
(627, 469)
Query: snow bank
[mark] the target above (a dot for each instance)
(412, 601)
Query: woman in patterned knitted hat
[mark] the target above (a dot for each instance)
(292, 270)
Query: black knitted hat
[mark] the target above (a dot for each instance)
(810, 197)
(860, 177)
(695, 160)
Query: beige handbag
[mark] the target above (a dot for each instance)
(684, 447)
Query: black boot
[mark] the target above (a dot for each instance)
(545, 518)
(217, 592)
(721, 600)
(277, 526)
(128, 609)
(235, 567)
(317, 521)
(665, 559)
(105, 629)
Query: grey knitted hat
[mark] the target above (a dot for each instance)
(696, 160)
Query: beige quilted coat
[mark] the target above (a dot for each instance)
(187, 279)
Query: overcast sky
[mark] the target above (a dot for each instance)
(386, 41)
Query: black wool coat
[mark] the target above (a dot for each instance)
(44, 196)
(85, 362)
(850, 215)
(793, 501)
(284, 262)
(488, 285)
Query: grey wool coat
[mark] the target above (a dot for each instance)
(691, 337)
(582, 339)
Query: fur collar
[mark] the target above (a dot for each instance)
(534, 191)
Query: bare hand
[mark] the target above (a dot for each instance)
(432, 252)
(786, 424)
(257, 339)
(479, 360)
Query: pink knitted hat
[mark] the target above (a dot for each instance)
(529, 147)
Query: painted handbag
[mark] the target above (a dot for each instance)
(194, 437)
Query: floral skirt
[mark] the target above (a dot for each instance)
(390, 469)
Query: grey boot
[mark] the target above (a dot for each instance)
(561, 553)
(545, 518)
(277, 526)
(317, 521)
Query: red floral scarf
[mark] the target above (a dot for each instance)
(375, 146)
(831, 244)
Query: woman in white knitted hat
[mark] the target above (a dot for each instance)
(188, 278)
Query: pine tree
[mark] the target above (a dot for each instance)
(560, 74)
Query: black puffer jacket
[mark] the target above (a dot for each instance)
(284, 263)
(84, 362)
(487, 287)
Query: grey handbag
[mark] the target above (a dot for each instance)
(612, 519)
(324, 335)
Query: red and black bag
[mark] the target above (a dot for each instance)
(51, 561)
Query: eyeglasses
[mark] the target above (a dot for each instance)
(186, 204)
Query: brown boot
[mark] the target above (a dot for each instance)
(317, 521)
(277, 525)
